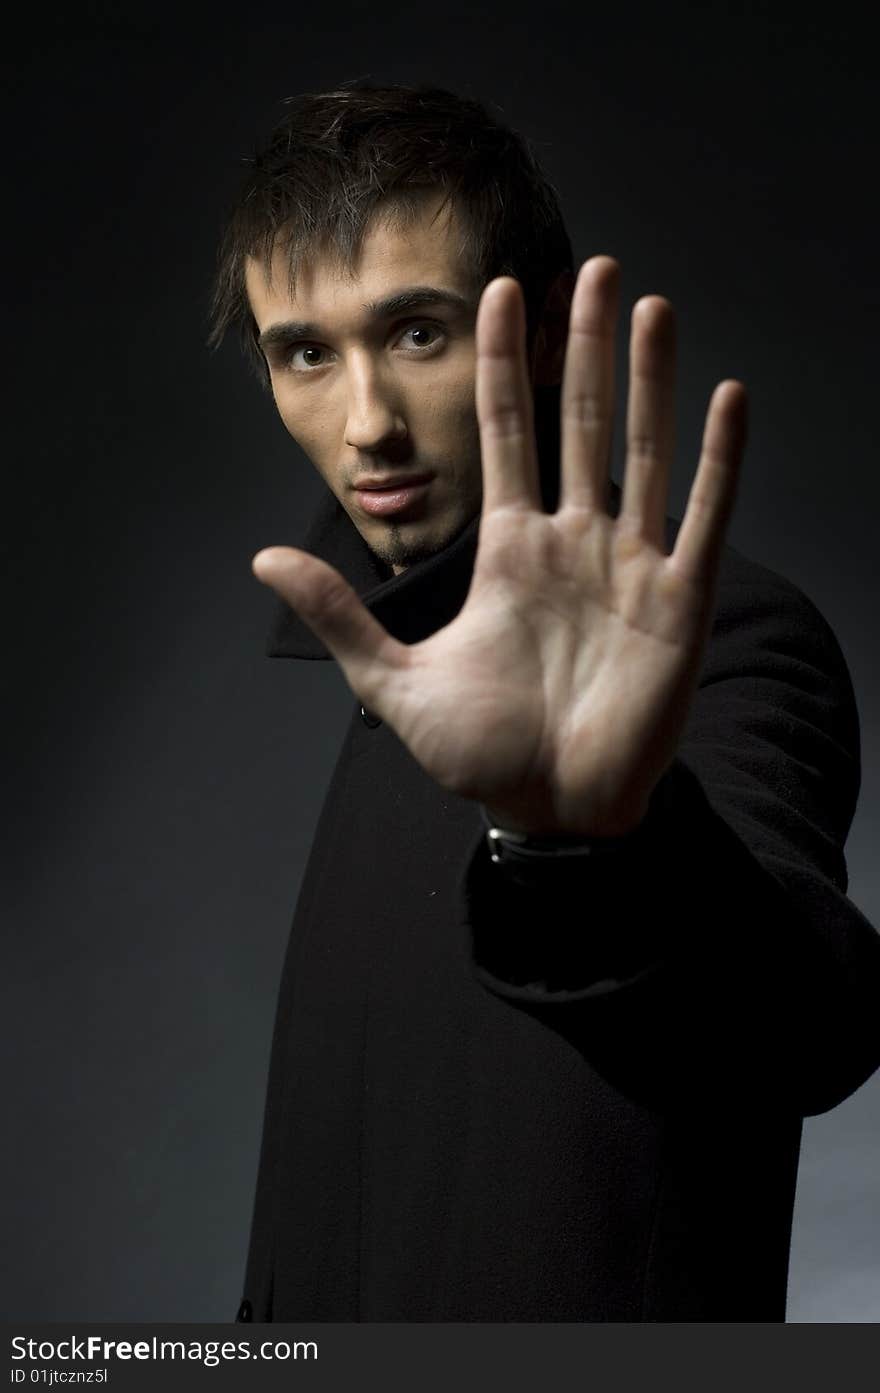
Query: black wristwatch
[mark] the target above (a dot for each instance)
(517, 848)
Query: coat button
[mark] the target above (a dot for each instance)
(369, 718)
(245, 1313)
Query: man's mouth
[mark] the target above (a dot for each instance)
(394, 496)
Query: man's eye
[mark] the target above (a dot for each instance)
(304, 356)
(433, 332)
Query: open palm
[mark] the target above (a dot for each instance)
(558, 694)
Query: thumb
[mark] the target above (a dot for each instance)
(327, 603)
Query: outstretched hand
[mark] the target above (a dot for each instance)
(558, 694)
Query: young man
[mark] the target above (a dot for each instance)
(572, 957)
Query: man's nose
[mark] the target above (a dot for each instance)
(374, 415)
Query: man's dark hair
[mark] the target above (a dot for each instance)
(339, 157)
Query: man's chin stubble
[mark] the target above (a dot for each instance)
(394, 549)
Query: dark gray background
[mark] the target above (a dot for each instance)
(165, 776)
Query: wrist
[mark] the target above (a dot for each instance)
(607, 829)
(519, 845)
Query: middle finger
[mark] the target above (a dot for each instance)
(587, 402)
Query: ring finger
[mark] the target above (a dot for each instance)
(650, 418)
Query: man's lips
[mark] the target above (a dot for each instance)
(392, 481)
(392, 495)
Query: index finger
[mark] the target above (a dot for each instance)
(505, 410)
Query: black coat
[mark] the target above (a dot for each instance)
(578, 1098)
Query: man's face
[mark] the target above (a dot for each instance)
(377, 392)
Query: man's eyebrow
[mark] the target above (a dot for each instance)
(413, 298)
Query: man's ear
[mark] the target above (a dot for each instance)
(548, 353)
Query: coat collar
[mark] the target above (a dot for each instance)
(425, 596)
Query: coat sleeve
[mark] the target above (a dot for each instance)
(719, 951)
